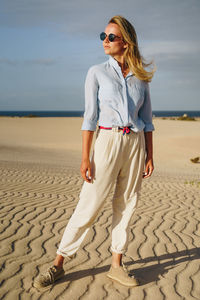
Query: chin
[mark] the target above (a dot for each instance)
(107, 51)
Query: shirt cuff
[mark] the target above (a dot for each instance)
(89, 125)
(149, 127)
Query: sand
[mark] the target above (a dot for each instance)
(39, 188)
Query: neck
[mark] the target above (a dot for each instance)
(121, 61)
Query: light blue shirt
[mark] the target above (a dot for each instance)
(114, 100)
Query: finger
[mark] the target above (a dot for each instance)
(145, 175)
(85, 176)
(89, 174)
(148, 173)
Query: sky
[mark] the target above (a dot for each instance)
(47, 47)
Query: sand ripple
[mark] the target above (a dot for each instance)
(164, 250)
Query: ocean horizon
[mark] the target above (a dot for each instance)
(80, 113)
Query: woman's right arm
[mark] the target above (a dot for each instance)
(89, 122)
(86, 171)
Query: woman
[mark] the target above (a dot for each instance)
(117, 96)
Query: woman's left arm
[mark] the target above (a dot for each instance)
(149, 167)
(145, 113)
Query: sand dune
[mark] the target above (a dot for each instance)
(39, 188)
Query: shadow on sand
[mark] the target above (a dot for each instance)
(145, 274)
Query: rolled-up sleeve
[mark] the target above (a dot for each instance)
(145, 111)
(91, 104)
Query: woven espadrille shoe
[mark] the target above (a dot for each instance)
(121, 275)
(50, 276)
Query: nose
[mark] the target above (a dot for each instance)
(106, 39)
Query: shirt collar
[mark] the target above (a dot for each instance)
(115, 64)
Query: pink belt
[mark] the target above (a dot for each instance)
(125, 129)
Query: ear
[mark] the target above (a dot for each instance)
(125, 45)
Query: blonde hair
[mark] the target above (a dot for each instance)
(133, 58)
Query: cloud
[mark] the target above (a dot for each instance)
(7, 61)
(172, 47)
(43, 34)
(39, 61)
(170, 50)
(151, 18)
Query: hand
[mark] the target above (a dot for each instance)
(86, 171)
(149, 167)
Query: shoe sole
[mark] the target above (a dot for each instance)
(119, 281)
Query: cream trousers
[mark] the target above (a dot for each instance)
(117, 161)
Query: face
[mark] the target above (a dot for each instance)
(117, 47)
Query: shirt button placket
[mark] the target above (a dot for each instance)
(125, 99)
(125, 102)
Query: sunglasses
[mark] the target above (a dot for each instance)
(111, 36)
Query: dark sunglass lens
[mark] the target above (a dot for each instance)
(102, 36)
(111, 37)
